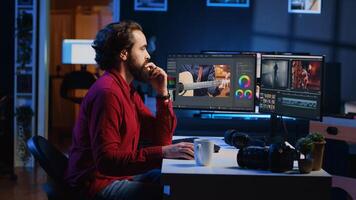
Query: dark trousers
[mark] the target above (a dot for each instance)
(143, 186)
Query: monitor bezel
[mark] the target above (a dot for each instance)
(221, 54)
(295, 57)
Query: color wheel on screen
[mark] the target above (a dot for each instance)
(239, 93)
(248, 94)
(244, 81)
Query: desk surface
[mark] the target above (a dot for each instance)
(224, 179)
(224, 163)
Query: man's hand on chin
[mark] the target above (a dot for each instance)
(158, 79)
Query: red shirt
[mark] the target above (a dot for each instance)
(111, 121)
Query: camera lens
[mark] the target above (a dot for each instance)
(241, 140)
(236, 139)
(253, 157)
(281, 157)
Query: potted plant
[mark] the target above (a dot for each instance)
(305, 161)
(318, 150)
(24, 120)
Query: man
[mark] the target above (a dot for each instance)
(203, 73)
(275, 77)
(105, 161)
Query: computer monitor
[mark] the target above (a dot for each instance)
(291, 85)
(78, 51)
(213, 81)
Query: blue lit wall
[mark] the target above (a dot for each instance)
(191, 26)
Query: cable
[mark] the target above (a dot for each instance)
(285, 129)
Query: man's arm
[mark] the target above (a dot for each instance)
(114, 157)
(157, 129)
(161, 127)
(214, 91)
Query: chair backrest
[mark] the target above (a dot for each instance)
(338, 193)
(336, 157)
(76, 80)
(51, 159)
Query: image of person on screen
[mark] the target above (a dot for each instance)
(300, 75)
(314, 76)
(106, 159)
(306, 75)
(200, 80)
(275, 77)
(274, 74)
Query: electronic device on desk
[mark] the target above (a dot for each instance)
(254, 154)
(191, 140)
(291, 85)
(212, 81)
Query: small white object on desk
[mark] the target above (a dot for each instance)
(203, 151)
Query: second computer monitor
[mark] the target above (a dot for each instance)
(213, 81)
(291, 85)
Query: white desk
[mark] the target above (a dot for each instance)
(225, 180)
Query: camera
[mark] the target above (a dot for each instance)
(254, 154)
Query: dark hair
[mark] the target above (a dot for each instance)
(111, 40)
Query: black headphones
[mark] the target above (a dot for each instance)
(239, 140)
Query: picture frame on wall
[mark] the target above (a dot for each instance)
(228, 3)
(151, 5)
(304, 6)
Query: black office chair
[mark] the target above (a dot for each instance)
(336, 162)
(339, 194)
(336, 157)
(54, 163)
(76, 80)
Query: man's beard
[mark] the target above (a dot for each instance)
(138, 71)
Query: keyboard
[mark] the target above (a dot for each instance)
(191, 140)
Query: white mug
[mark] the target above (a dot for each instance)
(203, 151)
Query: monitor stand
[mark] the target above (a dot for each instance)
(275, 122)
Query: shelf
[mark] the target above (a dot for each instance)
(24, 95)
(340, 121)
(30, 7)
(345, 128)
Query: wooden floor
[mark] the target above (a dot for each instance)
(28, 185)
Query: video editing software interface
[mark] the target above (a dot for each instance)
(213, 81)
(291, 85)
